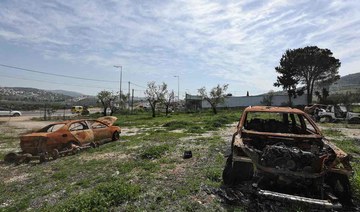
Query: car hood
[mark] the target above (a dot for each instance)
(109, 120)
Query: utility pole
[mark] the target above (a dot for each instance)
(178, 87)
(129, 96)
(132, 100)
(119, 66)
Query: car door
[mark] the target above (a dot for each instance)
(80, 130)
(100, 130)
(4, 112)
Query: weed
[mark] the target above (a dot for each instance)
(173, 125)
(333, 132)
(154, 152)
(59, 175)
(104, 196)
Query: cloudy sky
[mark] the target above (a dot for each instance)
(203, 42)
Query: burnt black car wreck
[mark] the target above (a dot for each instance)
(284, 155)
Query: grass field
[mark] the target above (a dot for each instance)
(144, 171)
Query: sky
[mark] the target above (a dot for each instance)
(204, 42)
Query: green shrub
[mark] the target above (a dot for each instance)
(195, 129)
(154, 152)
(213, 174)
(173, 125)
(219, 121)
(105, 195)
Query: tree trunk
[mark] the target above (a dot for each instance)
(289, 95)
(153, 109)
(290, 101)
(311, 90)
(105, 109)
(166, 110)
(308, 95)
(214, 109)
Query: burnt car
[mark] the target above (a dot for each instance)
(283, 153)
(61, 138)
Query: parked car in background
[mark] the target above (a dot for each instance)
(61, 138)
(77, 109)
(313, 109)
(335, 113)
(9, 112)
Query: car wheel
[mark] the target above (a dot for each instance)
(116, 136)
(354, 121)
(10, 158)
(16, 115)
(27, 159)
(93, 145)
(42, 158)
(55, 154)
(237, 172)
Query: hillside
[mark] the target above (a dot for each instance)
(348, 83)
(67, 93)
(30, 95)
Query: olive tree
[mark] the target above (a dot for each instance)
(107, 100)
(155, 94)
(168, 100)
(215, 97)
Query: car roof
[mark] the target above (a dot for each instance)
(71, 121)
(273, 109)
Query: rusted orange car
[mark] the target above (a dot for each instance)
(284, 153)
(61, 138)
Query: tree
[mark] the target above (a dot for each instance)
(216, 96)
(268, 98)
(155, 94)
(322, 96)
(168, 101)
(310, 65)
(124, 100)
(107, 100)
(288, 78)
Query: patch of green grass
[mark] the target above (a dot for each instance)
(59, 175)
(173, 125)
(348, 145)
(355, 180)
(154, 152)
(103, 197)
(196, 129)
(332, 133)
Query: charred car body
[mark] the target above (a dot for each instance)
(61, 138)
(285, 155)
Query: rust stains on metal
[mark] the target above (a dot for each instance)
(68, 136)
(282, 150)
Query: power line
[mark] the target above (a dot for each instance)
(59, 75)
(137, 85)
(55, 82)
